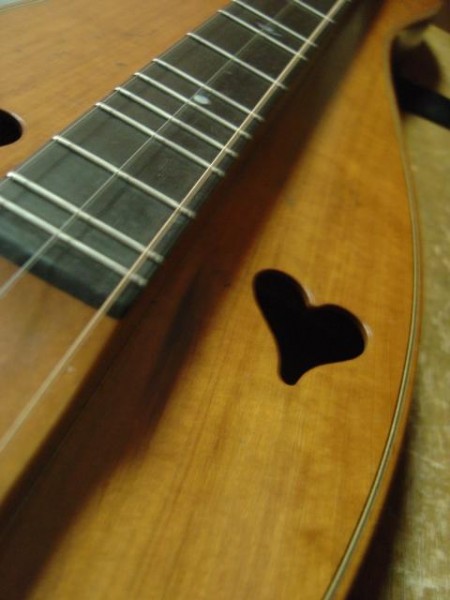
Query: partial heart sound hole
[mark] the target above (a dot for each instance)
(306, 336)
(10, 128)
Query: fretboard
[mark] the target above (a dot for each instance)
(96, 211)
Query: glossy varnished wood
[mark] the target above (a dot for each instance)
(191, 470)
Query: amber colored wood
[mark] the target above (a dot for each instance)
(188, 469)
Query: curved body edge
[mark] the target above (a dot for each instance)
(189, 469)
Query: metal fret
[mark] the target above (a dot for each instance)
(259, 32)
(190, 102)
(328, 20)
(84, 216)
(149, 154)
(313, 10)
(235, 59)
(69, 240)
(159, 111)
(147, 189)
(157, 136)
(274, 22)
(209, 89)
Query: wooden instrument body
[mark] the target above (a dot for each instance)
(189, 469)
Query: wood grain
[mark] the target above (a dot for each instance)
(189, 469)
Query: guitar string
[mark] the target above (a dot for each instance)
(123, 283)
(54, 238)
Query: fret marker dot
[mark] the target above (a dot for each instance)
(202, 99)
(267, 28)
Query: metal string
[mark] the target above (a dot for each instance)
(109, 301)
(32, 260)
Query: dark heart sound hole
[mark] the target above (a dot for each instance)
(10, 128)
(307, 336)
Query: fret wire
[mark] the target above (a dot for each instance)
(74, 243)
(190, 102)
(124, 282)
(313, 10)
(207, 88)
(199, 183)
(83, 335)
(169, 117)
(267, 95)
(325, 22)
(157, 136)
(263, 34)
(274, 22)
(181, 207)
(149, 190)
(28, 264)
(286, 71)
(78, 212)
(235, 59)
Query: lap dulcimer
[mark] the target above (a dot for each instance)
(223, 425)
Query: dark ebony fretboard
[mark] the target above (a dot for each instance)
(109, 196)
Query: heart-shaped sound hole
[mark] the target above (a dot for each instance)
(307, 336)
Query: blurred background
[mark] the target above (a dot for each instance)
(409, 557)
